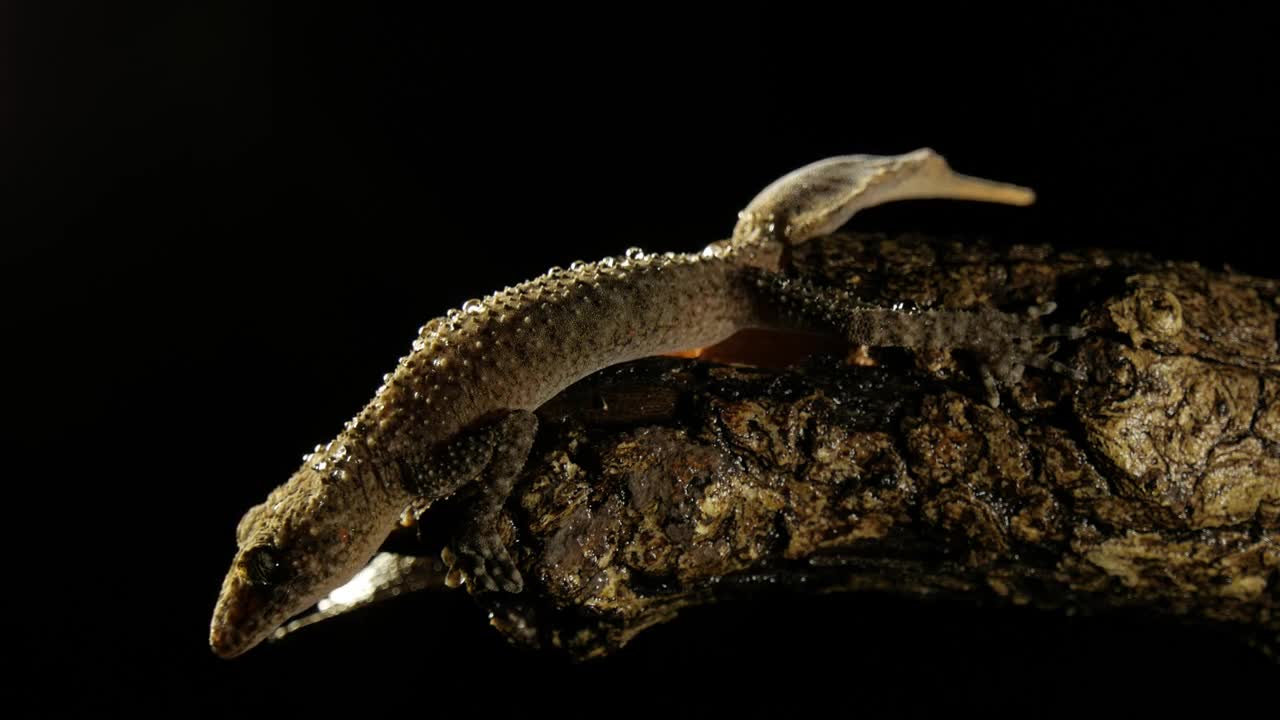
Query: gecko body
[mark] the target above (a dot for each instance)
(458, 409)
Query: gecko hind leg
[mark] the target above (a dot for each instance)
(1070, 332)
(1036, 344)
(1023, 344)
(1042, 359)
(1037, 311)
(478, 555)
(1005, 343)
(1006, 367)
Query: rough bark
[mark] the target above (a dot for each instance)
(1154, 484)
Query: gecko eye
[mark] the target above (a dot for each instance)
(262, 565)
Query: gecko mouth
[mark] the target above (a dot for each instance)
(223, 643)
(233, 630)
(245, 615)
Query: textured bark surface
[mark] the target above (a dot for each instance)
(1155, 484)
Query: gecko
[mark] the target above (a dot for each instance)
(457, 411)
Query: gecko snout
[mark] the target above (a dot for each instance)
(233, 614)
(248, 603)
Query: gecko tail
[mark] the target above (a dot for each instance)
(819, 198)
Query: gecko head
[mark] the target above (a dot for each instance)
(310, 536)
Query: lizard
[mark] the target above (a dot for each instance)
(457, 412)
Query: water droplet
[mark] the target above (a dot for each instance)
(634, 253)
(606, 262)
(453, 314)
(475, 307)
(577, 265)
(419, 345)
(441, 362)
(317, 448)
(320, 466)
(386, 378)
(554, 269)
(340, 454)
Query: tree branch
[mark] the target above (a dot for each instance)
(1155, 484)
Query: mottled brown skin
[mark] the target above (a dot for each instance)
(457, 409)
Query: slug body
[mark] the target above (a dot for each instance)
(458, 409)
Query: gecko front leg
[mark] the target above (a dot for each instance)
(493, 453)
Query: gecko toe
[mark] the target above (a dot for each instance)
(1039, 311)
(481, 561)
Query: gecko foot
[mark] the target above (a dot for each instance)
(1070, 332)
(480, 559)
(1007, 367)
(478, 555)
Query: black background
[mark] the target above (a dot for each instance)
(225, 223)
